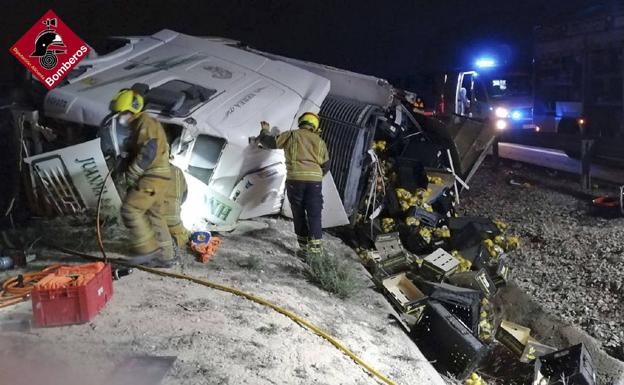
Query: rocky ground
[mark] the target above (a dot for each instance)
(571, 261)
(218, 338)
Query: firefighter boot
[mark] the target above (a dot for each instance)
(303, 247)
(147, 259)
(315, 247)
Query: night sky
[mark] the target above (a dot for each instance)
(390, 39)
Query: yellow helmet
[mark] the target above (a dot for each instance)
(311, 120)
(127, 100)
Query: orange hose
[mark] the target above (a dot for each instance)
(11, 293)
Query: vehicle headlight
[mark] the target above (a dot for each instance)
(501, 112)
(501, 124)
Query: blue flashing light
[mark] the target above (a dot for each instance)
(485, 62)
(516, 115)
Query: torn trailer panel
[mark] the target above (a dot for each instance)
(69, 180)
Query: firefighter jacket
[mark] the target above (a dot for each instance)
(306, 153)
(149, 151)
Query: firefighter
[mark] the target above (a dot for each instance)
(175, 196)
(148, 176)
(307, 160)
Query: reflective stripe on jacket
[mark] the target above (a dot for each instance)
(306, 154)
(149, 149)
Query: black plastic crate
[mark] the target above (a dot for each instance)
(445, 204)
(470, 231)
(500, 272)
(424, 151)
(465, 237)
(427, 218)
(477, 255)
(447, 342)
(391, 266)
(411, 173)
(413, 241)
(477, 280)
(570, 366)
(388, 245)
(461, 302)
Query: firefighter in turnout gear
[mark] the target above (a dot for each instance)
(307, 160)
(175, 196)
(148, 177)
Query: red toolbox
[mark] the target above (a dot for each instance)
(72, 305)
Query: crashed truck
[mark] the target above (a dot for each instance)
(210, 95)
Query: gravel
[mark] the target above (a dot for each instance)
(570, 261)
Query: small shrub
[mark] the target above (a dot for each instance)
(331, 274)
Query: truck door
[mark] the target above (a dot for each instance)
(471, 98)
(466, 130)
(464, 94)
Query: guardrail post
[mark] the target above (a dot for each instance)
(587, 146)
(495, 157)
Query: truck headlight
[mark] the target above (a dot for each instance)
(501, 112)
(501, 124)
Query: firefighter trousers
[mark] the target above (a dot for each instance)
(175, 196)
(143, 213)
(306, 202)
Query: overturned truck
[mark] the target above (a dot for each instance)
(211, 94)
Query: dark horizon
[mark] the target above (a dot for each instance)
(393, 41)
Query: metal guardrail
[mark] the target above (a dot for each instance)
(587, 156)
(603, 149)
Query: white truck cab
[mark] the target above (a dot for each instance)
(213, 96)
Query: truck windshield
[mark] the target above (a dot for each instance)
(205, 156)
(505, 86)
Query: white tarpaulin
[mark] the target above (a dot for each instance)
(333, 211)
(70, 179)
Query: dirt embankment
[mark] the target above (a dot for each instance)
(219, 338)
